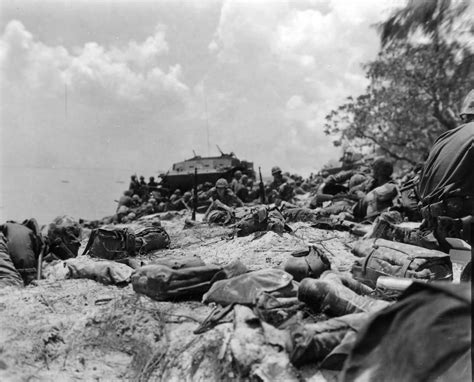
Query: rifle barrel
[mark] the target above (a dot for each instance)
(195, 201)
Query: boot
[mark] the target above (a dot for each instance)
(312, 265)
(335, 299)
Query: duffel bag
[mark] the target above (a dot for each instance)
(111, 243)
(381, 257)
(178, 262)
(246, 288)
(163, 283)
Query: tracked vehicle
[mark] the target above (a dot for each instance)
(209, 169)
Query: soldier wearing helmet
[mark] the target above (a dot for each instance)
(244, 190)
(281, 188)
(177, 194)
(125, 200)
(152, 184)
(236, 182)
(136, 200)
(181, 203)
(446, 187)
(223, 198)
(134, 185)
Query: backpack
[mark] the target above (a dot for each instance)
(64, 234)
(111, 243)
(24, 243)
(381, 257)
(262, 219)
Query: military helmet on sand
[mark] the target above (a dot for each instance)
(222, 183)
(468, 104)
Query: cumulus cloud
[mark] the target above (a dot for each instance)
(293, 62)
(85, 88)
(261, 83)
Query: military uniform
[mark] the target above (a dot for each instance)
(280, 188)
(235, 185)
(228, 198)
(446, 187)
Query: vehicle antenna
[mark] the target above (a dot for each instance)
(207, 126)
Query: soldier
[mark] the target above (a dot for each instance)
(382, 191)
(446, 186)
(136, 201)
(134, 185)
(280, 188)
(177, 194)
(243, 190)
(236, 182)
(152, 185)
(125, 200)
(182, 203)
(143, 188)
(223, 198)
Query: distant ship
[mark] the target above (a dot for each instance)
(209, 169)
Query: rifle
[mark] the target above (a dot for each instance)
(262, 187)
(195, 197)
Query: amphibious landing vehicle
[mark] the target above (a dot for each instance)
(209, 169)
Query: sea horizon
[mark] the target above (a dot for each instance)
(44, 193)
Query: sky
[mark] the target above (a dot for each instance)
(140, 85)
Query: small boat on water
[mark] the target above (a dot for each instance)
(64, 181)
(209, 169)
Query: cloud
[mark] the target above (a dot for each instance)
(288, 64)
(109, 90)
(260, 82)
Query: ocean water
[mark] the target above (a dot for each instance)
(44, 193)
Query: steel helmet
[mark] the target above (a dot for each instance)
(276, 170)
(468, 104)
(187, 194)
(222, 183)
(135, 197)
(383, 167)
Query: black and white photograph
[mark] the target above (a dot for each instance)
(236, 190)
